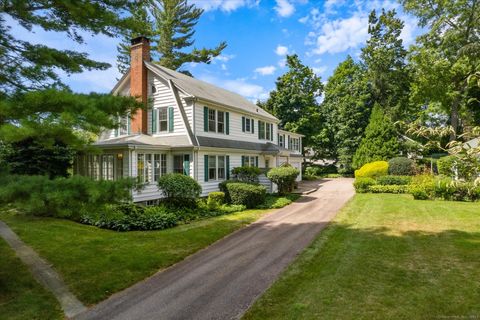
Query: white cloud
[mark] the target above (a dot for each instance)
(223, 58)
(250, 91)
(267, 70)
(342, 34)
(284, 8)
(224, 5)
(281, 50)
(282, 63)
(319, 70)
(303, 19)
(224, 67)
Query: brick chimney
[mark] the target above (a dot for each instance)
(139, 52)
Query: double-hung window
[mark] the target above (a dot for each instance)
(221, 168)
(212, 167)
(281, 140)
(163, 119)
(107, 167)
(247, 125)
(249, 161)
(268, 131)
(261, 130)
(220, 122)
(212, 120)
(150, 167)
(159, 166)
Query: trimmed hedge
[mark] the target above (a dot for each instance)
(249, 195)
(372, 170)
(246, 174)
(401, 166)
(215, 199)
(388, 189)
(394, 180)
(284, 178)
(362, 185)
(179, 190)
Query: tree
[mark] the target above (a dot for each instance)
(445, 57)
(380, 141)
(171, 32)
(295, 101)
(27, 66)
(384, 57)
(346, 108)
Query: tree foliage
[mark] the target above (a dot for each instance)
(346, 109)
(171, 26)
(380, 141)
(295, 101)
(27, 66)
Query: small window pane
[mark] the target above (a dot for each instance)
(178, 164)
(156, 167)
(221, 167)
(163, 119)
(140, 167)
(221, 122)
(247, 125)
(212, 167)
(148, 168)
(163, 164)
(211, 120)
(261, 127)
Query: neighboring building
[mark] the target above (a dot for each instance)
(190, 127)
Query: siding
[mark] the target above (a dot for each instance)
(236, 132)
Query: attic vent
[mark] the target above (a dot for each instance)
(154, 89)
(257, 109)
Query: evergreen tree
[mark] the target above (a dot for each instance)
(171, 32)
(384, 57)
(380, 141)
(347, 107)
(294, 101)
(27, 66)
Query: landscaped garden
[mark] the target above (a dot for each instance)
(385, 256)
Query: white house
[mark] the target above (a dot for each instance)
(189, 127)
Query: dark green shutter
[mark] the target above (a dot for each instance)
(205, 119)
(154, 120)
(243, 124)
(186, 164)
(170, 119)
(227, 123)
(243, 161)
(205, 167)
(252, 125)
(256, 161)
(227, 167)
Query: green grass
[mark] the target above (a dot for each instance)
(276, 202)
(385, 257)
(96, 263)
(21, 296)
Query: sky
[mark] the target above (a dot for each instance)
(259, 34)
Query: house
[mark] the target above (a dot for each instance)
(189, 127)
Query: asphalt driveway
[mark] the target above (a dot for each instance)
(223, 280)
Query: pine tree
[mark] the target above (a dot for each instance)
(380, 141)
(171, 31)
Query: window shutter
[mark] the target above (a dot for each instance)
(227, 122)
(243, 124)
(227, 166)
(256, 161)
(243, 161)
(253, 125)
(205, 167)
(205, 120)
(186, 164)
(152, 119)
(129, 129)
(170, 119)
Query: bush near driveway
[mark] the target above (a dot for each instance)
(284, 178)
(249, 195)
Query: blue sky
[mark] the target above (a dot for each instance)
(259, 34)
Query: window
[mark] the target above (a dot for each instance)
(140, 167)
(107, 167)
(212, 167)
(163, 164)
(178, 164)
(249, 161)
(221, 167)
(295, 144)
(156, 167)
(211, 120)
(268, 131)
(163, 119)
(267, 163)
(247, 125)
(261, 130)
(96, 167)
(281, 140)
(221, 122)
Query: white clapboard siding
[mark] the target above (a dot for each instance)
(235, 132)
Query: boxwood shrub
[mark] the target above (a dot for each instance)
(401, 166)
(249, 195)
(394, 180)
(179, 190)
(284, 178)
(372, 170)
(362, 185)
(388, 189)
(215, 199)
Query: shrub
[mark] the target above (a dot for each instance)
(362, 184)
(276, 202)
(372, 170)
(62, 197)
(284, 178)
(394, 180)
(451, 166)
(179, 190)
(246, 174)
(422, 187)
(388, 189)
(401, 166)
(215, 199)
(249, 195)
(223, 188)
(449, 189)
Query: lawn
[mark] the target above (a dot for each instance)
(21, 297)
(96, 263)
(385, 257)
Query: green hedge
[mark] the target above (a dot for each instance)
(388, 189)
(401, 166)
(362, 185)
(394, 180)
(215, 199)
(249, 195)
(284, 178)
(246, 174)
(179, 190)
